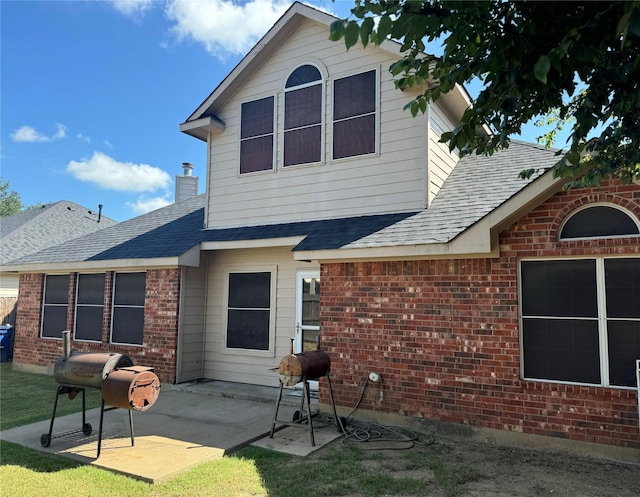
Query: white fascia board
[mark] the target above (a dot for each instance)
(113, 265)
(290, 241)
(200, 128)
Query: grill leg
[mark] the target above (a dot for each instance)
(55, 406)
(333, 405)
(131, 426)
(100, 430)
(306, 394)
(275, 414)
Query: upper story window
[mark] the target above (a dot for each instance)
(256, 135)
(598, 221)
(303, 116)
(354, 115)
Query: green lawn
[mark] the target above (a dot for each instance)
(332, 471)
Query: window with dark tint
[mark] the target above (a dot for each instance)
(89, 307)
(55, 305)
(622, 280)
(249, 311)
(303, 116)
(598, 221)
(354, 115)
(564, 328)
(256, 135)
(560, 326)
(127, 324)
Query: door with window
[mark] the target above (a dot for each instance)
(307, 333)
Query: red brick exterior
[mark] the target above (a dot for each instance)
(444, 334)
(160, 334)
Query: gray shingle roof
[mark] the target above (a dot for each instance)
(33, 230)
(477, 185)
(166, 232)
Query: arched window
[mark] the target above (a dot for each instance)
(303, 116)
(599, 221)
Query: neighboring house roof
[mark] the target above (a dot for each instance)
(468, 205)
(162, 234)
(38, 228)
(204, 119)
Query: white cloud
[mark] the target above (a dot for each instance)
(110, 174)
(83, 138)
(31, 135)
(144, 205)
(223, 26)
(132, 8)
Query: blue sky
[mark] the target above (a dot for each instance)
(92, 93)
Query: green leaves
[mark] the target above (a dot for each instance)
(541, 69)
(527, 59)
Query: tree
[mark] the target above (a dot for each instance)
(570, 63)
(10, 202)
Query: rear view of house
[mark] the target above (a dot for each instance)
(333, 218)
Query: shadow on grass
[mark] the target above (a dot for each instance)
(34, 460)
(333, 471)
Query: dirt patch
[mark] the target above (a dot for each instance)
(460, 468)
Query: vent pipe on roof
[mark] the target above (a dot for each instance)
(187, 168)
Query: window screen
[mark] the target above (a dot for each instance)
(249, 311)
(256, 135)
(354, 120)
(89, 307)
(303, 117)
(127, 323)
(55, 306)
(568, 334)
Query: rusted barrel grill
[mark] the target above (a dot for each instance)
(295, 368)
(300, 368)
(123, 385)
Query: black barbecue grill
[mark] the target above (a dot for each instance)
(122, 385)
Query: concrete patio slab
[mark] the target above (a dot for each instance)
(181, 430)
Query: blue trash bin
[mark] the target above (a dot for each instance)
(6, 343)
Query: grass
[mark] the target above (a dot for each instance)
(252, 471)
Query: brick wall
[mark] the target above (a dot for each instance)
(160, 333)
(444, 334)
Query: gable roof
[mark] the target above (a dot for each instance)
(204, 119)
(36, 229)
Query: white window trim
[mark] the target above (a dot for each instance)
(598, 204)
(601, 318)
(323, 106)
(75, 310)
(378, 90)
(273, 269)
(113, 296)
(274, 133)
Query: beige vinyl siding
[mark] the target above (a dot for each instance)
(441, 161)
(225, 365)
(9, 284)
(392, 181)
(192, 324)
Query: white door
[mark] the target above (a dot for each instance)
(307, 334)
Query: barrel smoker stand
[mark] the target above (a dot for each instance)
(87, 429)
(299, 417)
